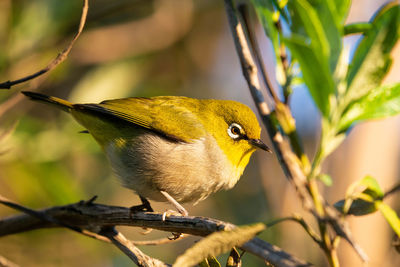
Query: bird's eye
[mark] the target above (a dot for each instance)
(235, 131)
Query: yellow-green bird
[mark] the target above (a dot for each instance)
(171, 148)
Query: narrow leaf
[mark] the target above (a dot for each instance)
(217, 243)
(356, 28)
(372, 58)
(358, 207)
(311, 62)
(390, 216)
(342, 9)
(370, 183)
(361, 203)
(380, 102)
(265, 13)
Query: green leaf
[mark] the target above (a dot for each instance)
(390, 216)
(326, 179)
(265, 13)
(355, 28)
(358, 207)
(311, 62)
(370, 183)
(322, 23)
(217, 243)
(372, 59)
(315, 42)
(361, 203)
(380, 102)
(342, 8)
(308, 17)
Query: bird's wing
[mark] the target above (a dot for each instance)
(172, 117)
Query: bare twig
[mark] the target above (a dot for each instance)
(395, 189)
(60, 57)
(97, 216)
(287, 159)
(126, 246)
(244, 12)
(160, 241)
(302, 222)
(7, 263)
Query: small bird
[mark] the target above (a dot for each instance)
(170, 148)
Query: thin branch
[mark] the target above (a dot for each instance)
(302, 222)
(126, 246)
(286, 157)
(7, 263)
(60, 57)
(244, 12)
(391, 191)
(160, 241)
(86, 215)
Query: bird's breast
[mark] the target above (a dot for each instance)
(148, 163)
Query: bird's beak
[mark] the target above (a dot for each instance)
(259, 144)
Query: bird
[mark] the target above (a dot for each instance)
(170, 148)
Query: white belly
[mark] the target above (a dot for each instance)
(187, 171)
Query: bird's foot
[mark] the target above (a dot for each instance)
(144, 207)
(168, 213)
(178, 206)
(175, 236)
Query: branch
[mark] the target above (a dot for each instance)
(60, 57)
(286, 157)
(7, 263)
(88, 215)
(107, 234)
(391, 191)
(126, 246)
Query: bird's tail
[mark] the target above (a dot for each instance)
(55, 101)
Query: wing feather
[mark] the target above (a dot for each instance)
(173, 117)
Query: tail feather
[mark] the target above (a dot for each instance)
(55, 101)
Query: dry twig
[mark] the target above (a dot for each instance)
(60, 57)
(6, 263)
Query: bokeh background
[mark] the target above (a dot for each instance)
(148, 48)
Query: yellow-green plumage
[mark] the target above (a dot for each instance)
(174, 144)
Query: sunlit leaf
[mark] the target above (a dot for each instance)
(311, 62)
(354, 28)
(372, 59)
(217, 243)
(380, 102)
(358, 207)
(390, 216)
(361, 203)
(265, 13)
(342, 9)
(326, 179)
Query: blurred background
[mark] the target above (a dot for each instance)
(148, 48)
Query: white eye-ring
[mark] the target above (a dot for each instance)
(235, 131)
